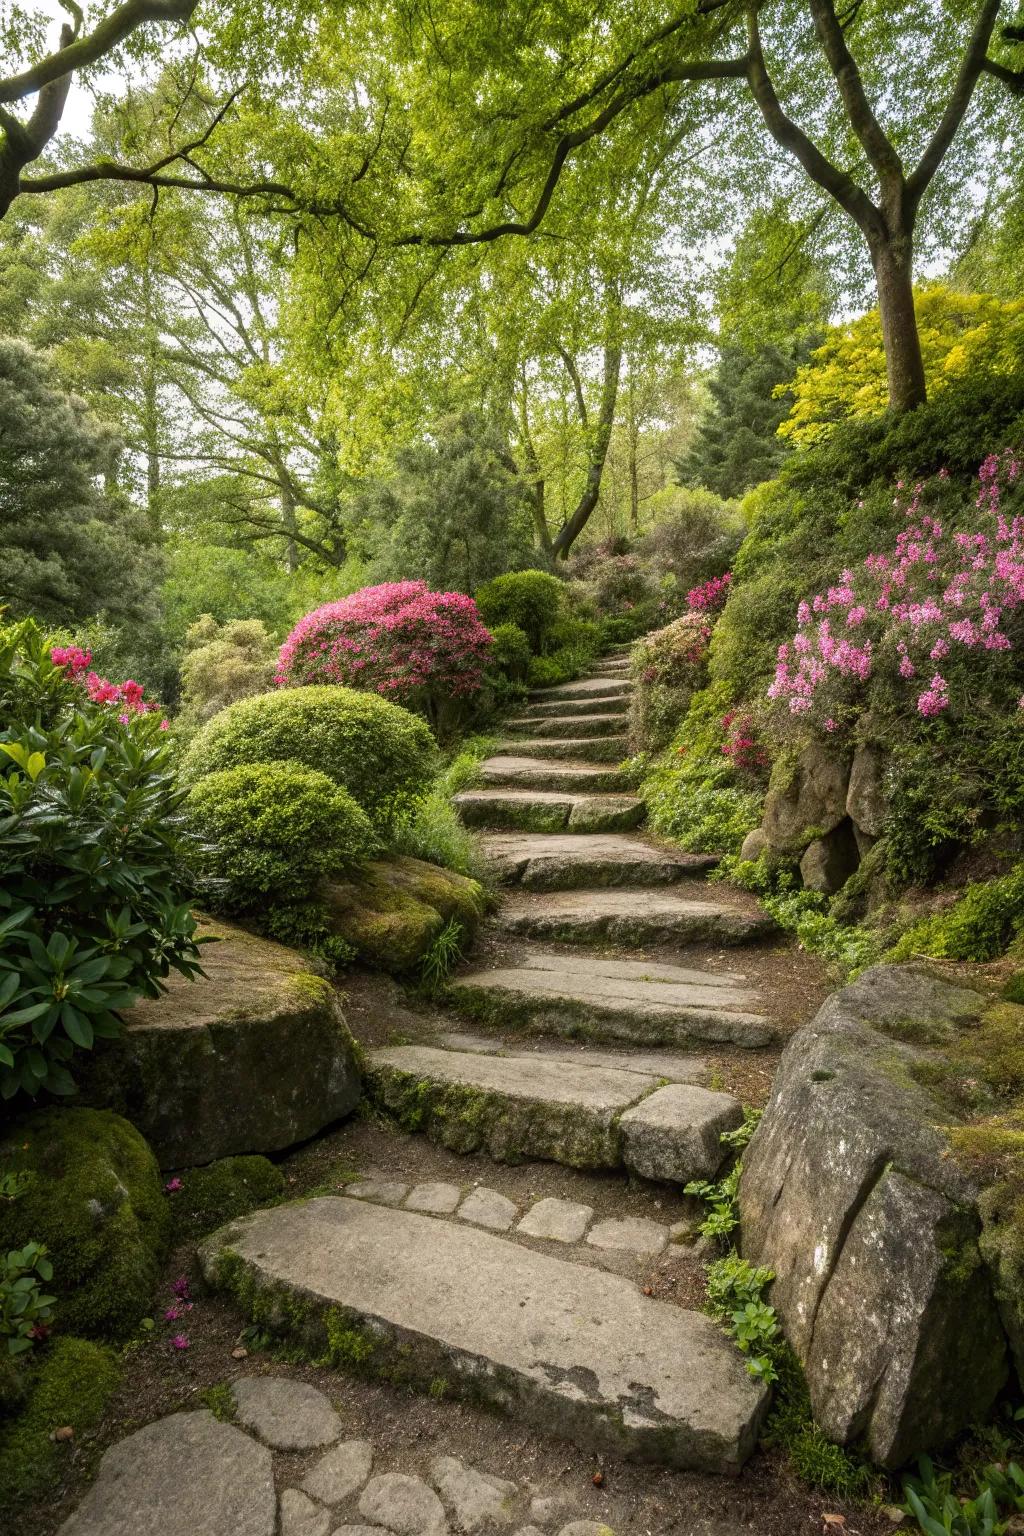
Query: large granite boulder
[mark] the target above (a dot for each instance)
(806, 799)
(393, 909)
(253, 1057)
(865, 797)
(851, 1195)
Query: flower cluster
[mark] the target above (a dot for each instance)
(741, 745)
(711, 595)
(129, 696)
(400, 640)
(936, 594)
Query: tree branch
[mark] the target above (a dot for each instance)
(972, 64)
(837, 183)
(82, 51)
(876, 143)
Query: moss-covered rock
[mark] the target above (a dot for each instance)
(393, 910)
(253, 1057)
(211, 1196)
(69, 1386)
(95, 1198)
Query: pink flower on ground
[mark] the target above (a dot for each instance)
(172, 1186)
(180, 1341)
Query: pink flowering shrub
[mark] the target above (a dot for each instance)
(933, 618)
(425, 650)
(743, 745)
(711, 595)
(668, 667)
(129, 695)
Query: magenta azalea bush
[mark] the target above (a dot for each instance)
(710, 595)
(425, 650)
(942, 602)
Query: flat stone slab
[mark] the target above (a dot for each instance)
(485, 1207)
(563, 861)
(252, 1057)
(380, 1191)
(676, 1133)
(516, 772)
(438, 1199)
(612, 999)
(185, 1475)
(511, 1106)
(286, 1415)
(299, 1515)
(340, 1472)
(671, 1065)
(566, 1347)
(629, 1234)
(591, 749)
(560, 1221)
(603, 703)
(584, 687)
(404, 1505)
(478, 1501)
(568, 725)
(632, 918)
(545, 810)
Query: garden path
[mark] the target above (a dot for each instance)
(560, 1282)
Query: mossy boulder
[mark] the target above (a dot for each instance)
(253, 1057)
(394, 909)
(211, 1196)
(94, 1196)
(893, 1284)
(806, 797)
(69, 1385)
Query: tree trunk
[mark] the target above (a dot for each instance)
(893, 264)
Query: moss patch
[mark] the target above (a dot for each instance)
(71, 1385)
(94, 1197)
(393, 911)
(211, 1196)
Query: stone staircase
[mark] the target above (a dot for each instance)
(431, 1283)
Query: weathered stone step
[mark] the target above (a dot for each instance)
(517, 772)
(568, 725)
(575, 1112)
(569, 1349)
(582, 688)
(596, 704)
(617, 666)
(631, 917)
(613, 1000)
(540, 810)
(567, 861)
(591, 749)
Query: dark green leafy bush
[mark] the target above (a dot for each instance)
(94, 872)
(383, 755)
(271, 831)
(695, 793)
(532, 600)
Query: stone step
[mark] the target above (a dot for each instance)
(540, 810)
(590, 749)
(616, 666)
(596, 704)
(515, 772)
(569, 1349)
(634, 1000)
(569, 725)
(631, 918)
(580, 1113)
(584, 687)
(567, 861)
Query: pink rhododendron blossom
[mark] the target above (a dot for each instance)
(180, 1341)
(711, 595)
(930, 597)
(399, 639)
(128, 696)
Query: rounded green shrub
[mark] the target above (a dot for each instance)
(510, 654)
(272, 830)
(94, 1197)
(383, 755)
(532, 600)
